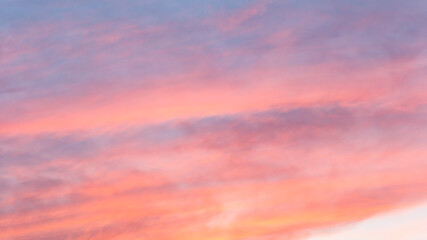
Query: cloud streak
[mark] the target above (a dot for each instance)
(221, 120)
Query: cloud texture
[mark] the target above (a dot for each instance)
(214, 120)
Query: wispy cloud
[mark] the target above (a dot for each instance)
(208, 120)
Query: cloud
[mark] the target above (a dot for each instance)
(282, 160)
(406, 223)
(208, 119)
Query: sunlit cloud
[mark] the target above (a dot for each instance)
(403, 224)
(216, 120)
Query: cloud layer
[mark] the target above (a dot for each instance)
(217, 120)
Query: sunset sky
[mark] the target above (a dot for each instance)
(213, 119)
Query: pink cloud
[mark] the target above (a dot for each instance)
(266, 120)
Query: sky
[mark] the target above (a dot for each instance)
(403, 224)
(213, 119)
